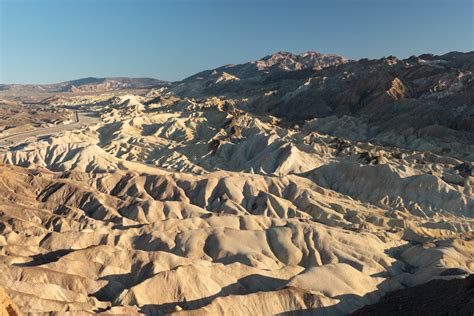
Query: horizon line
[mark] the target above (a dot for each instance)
(172, 81)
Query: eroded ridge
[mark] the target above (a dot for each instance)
(167, 203)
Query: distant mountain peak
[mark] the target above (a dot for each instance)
(290, 62)
(257, 70)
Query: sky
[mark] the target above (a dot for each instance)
(46, 41)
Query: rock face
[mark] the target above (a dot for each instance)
(178, 201)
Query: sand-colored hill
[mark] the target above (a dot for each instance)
(161, 243)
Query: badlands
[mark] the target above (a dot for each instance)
(296, 184)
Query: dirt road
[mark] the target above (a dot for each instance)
(80, 118)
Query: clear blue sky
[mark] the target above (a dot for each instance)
(43, 41)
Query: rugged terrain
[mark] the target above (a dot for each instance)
(15, 117)
(306, 183)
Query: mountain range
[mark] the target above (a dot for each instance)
(89, 84)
